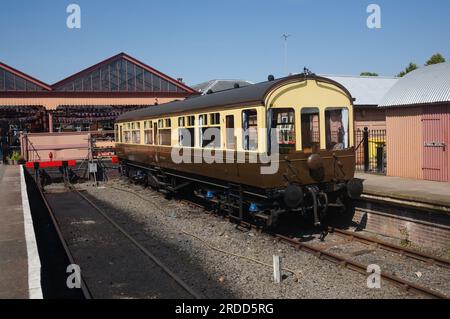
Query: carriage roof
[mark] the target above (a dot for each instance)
(252, 94)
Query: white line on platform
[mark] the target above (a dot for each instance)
(34, 262)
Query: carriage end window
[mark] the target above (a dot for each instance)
(336, 128)
(283, 121)
(310, 127)
(250, 130)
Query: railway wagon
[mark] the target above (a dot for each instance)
(276, 147)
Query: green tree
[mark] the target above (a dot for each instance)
(411, 67)
(435, 59)
(368, 74)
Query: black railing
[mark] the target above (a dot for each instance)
(370, 151)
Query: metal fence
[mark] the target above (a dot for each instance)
(370, 151)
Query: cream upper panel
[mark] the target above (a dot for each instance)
(311, 93)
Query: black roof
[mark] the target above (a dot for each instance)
(254, 93)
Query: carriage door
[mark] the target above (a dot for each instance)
(435, 146)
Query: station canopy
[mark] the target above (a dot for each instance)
(91, 113)
(14, 114)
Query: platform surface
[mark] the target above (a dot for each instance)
(13, 247)
(435, 193)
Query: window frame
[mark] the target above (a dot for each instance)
(247, 148)
(314, 146)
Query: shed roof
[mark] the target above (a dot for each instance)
(251, 94)
(426, 85)
(368, 90)
(219, 85)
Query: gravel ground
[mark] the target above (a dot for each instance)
(166, 229)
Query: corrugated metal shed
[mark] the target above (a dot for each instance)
(368, 90)
(425, 85)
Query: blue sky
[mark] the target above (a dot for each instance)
(200, 40)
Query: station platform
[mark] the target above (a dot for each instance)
(19, 258)
(420, 191)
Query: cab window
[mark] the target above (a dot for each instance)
(283, 121)
(310, 127)
(336, 128)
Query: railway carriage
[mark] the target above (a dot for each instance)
(259, 151)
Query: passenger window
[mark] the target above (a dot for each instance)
(250, 130)
(215, 119)
(164, 134)
(336, 128)
(283, 121)
(186, 134)
(231, 139)
(136, 133)
(209, 134)
(191, 120)
(310, 127)
(126, 136)
(148, 132)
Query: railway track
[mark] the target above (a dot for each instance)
(345, 261)
(84, 288)
(176, 279)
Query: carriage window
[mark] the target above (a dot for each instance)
(231, 139)
(116, 132)
(127, 133)
(136, 133)
(250, 130)
(203, 120)
(186, 135)
(336, 128)
(283, 120)
(209, 134)
(164, 132)
(120, 133)
(148, 132)
(191, 120)
(310, 127)
(215, 119)
(164, 137)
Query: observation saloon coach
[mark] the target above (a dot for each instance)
(255, 152)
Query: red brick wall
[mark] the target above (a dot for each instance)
(427, 233)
